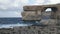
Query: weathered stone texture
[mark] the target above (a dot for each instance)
(31, 15)
(40, 13)
(32, 30)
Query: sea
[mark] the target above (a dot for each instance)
(13, 22)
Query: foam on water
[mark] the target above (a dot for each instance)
(12, 25)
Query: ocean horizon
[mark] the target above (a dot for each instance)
(12, 22)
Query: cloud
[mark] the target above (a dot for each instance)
(5, 4)
(44, 2)
(9, 7)
(39, 2)
(9, 4)
(54, 1)
(9, 14)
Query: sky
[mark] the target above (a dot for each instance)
(13, 8)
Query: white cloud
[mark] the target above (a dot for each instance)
(9, 14)
(13, 4)
(54, 1)
(5, 4)
(5, 1)
(23, 2)
(42, 2)
(37, 2)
